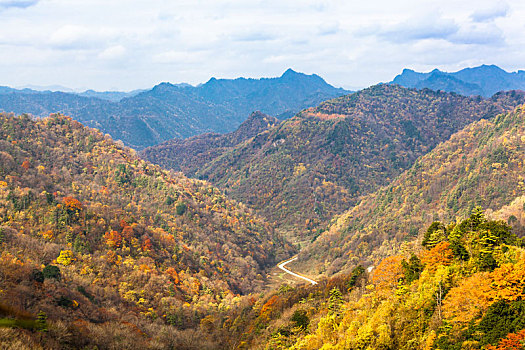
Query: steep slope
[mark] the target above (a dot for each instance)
(484, 80)
(191, 154)
(465, 290)
(122, 241)
(480, 165)
(177, 111)
(317, 164)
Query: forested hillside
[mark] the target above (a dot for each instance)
(178, 111)
(111, 249)
(462, 288)
(480, 165)
(100, 249)
(320, 162)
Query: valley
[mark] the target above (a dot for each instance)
(301, 172)
(387, 218)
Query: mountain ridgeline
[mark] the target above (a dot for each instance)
(178, 111)
(304, 170)
(484, 80)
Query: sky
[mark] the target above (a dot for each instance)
(131, 44)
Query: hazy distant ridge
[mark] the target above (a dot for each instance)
(168, 111)
(484, 80)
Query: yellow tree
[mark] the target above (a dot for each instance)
(388, 272)
(468, 300)
(508, 282)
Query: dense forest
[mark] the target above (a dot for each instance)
(319, 163)
(461, 286)
(101, 243)
(480, 165)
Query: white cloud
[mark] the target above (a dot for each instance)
(490, 13)
(179, 57)
(70, 37)
(112, 53)
(17, 3)
(431, 26)
(479, 34)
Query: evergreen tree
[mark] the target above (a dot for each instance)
(41, 321)
(335, 300)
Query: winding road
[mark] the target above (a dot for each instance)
(281, 266)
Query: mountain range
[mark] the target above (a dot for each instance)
(303, 171)
(485, 80)
(168, 111)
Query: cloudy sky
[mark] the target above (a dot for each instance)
(129, 44)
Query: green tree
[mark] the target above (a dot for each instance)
(435, 234)
(356, 273)
(335, 300)
(180, 208)
(51, 271)
(41, 321)
(412, 269)
(300, 318)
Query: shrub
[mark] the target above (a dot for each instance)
(180, 208)
(37, 276)
(300, 319)
(51, 271)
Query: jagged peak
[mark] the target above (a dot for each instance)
(290, 72)
(164, 85)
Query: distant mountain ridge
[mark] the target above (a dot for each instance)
(484, 80)
(177, 111)
(189, 155)
(113, 96)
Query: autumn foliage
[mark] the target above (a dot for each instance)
(87, 233)
(513, 341)
(388, 272)
(441, 254)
